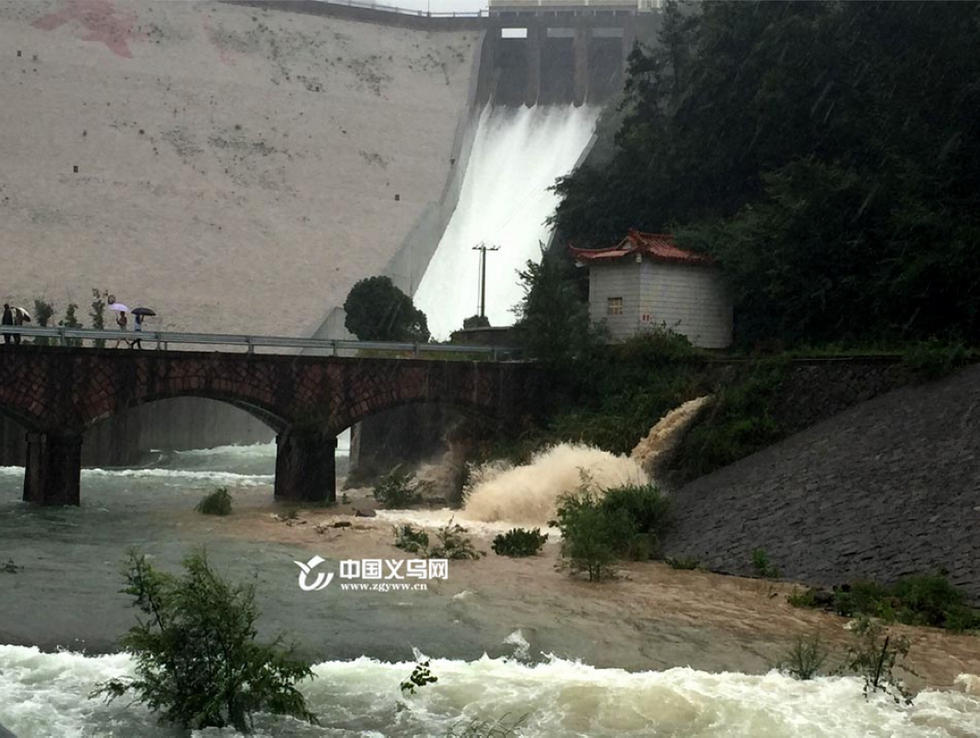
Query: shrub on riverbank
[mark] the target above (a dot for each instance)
(922, 599)
(597, 529)
(216, 503)
(519, 542)
(197, 660)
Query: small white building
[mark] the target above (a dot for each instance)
(647, 282)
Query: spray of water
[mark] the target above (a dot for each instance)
(517, 155)
(654, 450)
(527, 494)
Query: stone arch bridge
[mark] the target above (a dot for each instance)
(56, 393)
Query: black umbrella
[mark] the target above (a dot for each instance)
(142, 311)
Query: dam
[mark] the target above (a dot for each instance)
(238, 166)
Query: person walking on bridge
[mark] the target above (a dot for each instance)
(8, 319)
(122, 322)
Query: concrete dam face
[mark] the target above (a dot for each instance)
(238, 166)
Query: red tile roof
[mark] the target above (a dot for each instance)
(659, 246)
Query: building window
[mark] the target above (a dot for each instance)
(614, 306)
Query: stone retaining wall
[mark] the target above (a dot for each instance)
(886, 488)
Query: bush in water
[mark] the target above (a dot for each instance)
(419, 678)
(411, 539)
(197, 661)
(398, 489)
(875, 656)
(502, 727)
(921, 599)
(805, 659)
(650, 512)
(216, 503)
(519, 542)
(597, 528)
(453, 544)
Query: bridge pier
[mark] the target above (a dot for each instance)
(52, 469)
(305, 465)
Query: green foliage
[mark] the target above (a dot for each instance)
(419, 678)
(519, 542)
(761, 564)
(930, 599)
(739, 422)
(649, 512)
(453, 544)
(216, 503)
(807, 146)
(42, 316)
(591, 538)
(197, 661)
(71, 321)
(499, 728)
(802, 598)
(874, 656)
(97, 313)
(804, 659)
(399, 489)
(685, 562)
(598, 528)
(413, 540)
(921, 599)
(378, 311)
(620, 391)
(553, 316)
(930, 360)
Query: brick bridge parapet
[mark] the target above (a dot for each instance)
(58, 392)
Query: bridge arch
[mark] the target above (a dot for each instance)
(307, 400)
(96, 413)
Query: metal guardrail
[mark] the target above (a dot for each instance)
(409, 11)
(334, 347)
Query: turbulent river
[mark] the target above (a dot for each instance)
(363, 648)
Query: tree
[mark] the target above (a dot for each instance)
(71, 321)
(197, 661)
(552, 318)
(42, 314)
(97, 313)
(378, 311)
(828, 154)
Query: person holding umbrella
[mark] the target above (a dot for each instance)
(21, 316)
(121, 319)
(8, 319)
(139, 314)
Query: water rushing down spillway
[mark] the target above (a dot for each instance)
(517, 154)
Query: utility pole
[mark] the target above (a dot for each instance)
(483, 249)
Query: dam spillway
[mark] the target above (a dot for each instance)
(516, 156)
(545, 72)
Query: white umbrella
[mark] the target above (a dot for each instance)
(118, 307)
(25, 316)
